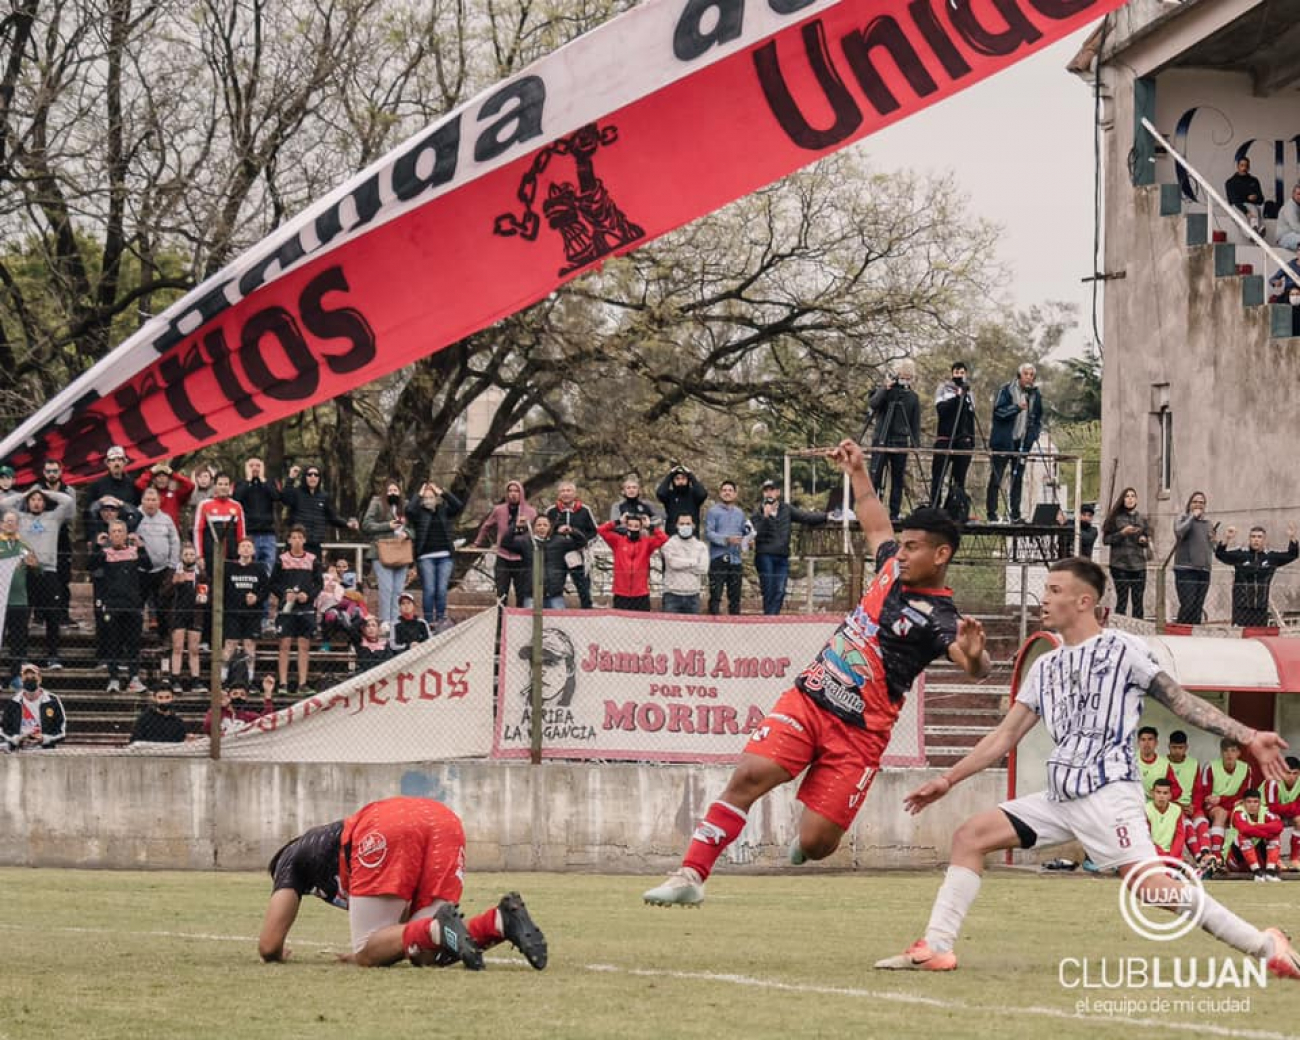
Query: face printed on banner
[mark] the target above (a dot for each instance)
(559, 669)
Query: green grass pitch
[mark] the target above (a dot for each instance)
(131, 955)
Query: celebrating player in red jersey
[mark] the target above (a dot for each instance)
(837, 719)
(398, 867)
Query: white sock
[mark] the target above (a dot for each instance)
(960, 887)
(1227, 927)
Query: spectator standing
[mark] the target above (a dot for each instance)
(385, 518)
(1244, 193)
(186, 617)
(1087, 530)
(16, 614)
(896, 423)
(33, 718)
(114, 485)
(1017, 422)
(409, 628)
(509, 570)
(260, 499)
(295, 583)
(570, 516)
(555, 550)
(174, 490)
(1252, 572)
(1288, 221)
(1128, 534)
(632, 548)
(219, 517)
(162, 542)
(6, 480)
(728, 531)
(122, 563)
(682, 494)
(429, 516)
(311, 509)
(158, 723)
(244, 602)
(43, 519)
(686, 561)
(773, 523)
(52, 480)
(955, 432)
(632, 502)
(1193, 557)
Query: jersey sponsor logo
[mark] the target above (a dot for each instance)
(902, 626)
(760, 734)
(920, 605)
(372, 850)
(792, 723)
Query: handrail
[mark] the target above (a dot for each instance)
(1232, 211)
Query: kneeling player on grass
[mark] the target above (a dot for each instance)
(398, 868)
(1089, 692)
(837, 719)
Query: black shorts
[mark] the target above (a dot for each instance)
(301, 624)
(240, 624)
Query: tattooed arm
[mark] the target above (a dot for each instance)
(1266, 747)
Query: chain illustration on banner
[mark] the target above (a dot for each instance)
(587, 218)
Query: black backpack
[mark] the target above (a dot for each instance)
(957, 505)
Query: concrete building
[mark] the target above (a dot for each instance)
(1201, 372)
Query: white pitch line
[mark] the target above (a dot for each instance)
(1200, 1029)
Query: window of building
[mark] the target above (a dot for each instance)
(1165, 433)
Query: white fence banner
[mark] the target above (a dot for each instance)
(661, 687)
(433, 702)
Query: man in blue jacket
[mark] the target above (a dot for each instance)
(1017, 421)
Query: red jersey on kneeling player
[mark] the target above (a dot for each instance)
(864, 671)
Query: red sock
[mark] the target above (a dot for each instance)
(1272, 856)
(1249, 854)
(721, 826)
(1202, 834)
(484, 929)
(1295, 847)
(1191, 838)
(419, 935)
(1216, 841)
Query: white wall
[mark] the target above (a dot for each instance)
(64, 809)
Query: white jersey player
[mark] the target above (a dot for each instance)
(1089, 694)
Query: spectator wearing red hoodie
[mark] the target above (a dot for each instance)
(632, 548)
(1283, 798)
(1258, 834)
(510, 568)
(174, 489)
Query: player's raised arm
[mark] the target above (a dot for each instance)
(871, 512)
(281, 912)
(989, 751)
(1267, 747)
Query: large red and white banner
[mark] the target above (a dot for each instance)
(661, 687)
(432, 703)
(657, 117)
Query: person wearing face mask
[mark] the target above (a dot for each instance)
(33, 718)
(1252, 572)
(686, 562)
(429, 516)
(632, 549)
(384, 518)
(555, 549)
(158, 723)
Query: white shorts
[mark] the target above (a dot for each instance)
(1111, 823)
(368, 914)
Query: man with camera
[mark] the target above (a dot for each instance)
(120, 562)
(896, 418)
(1017, 421)
(956, 432)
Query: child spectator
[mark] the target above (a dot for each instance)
(186, 609)
(370, 645)
(245, 602)
(340, 607)
(409, 628)
(295, 582)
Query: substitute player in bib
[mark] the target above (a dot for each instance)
(1283, 798)
(1089, 694)
(837, 719)
(1165, 819)
(398, 867)
(1214, 795)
